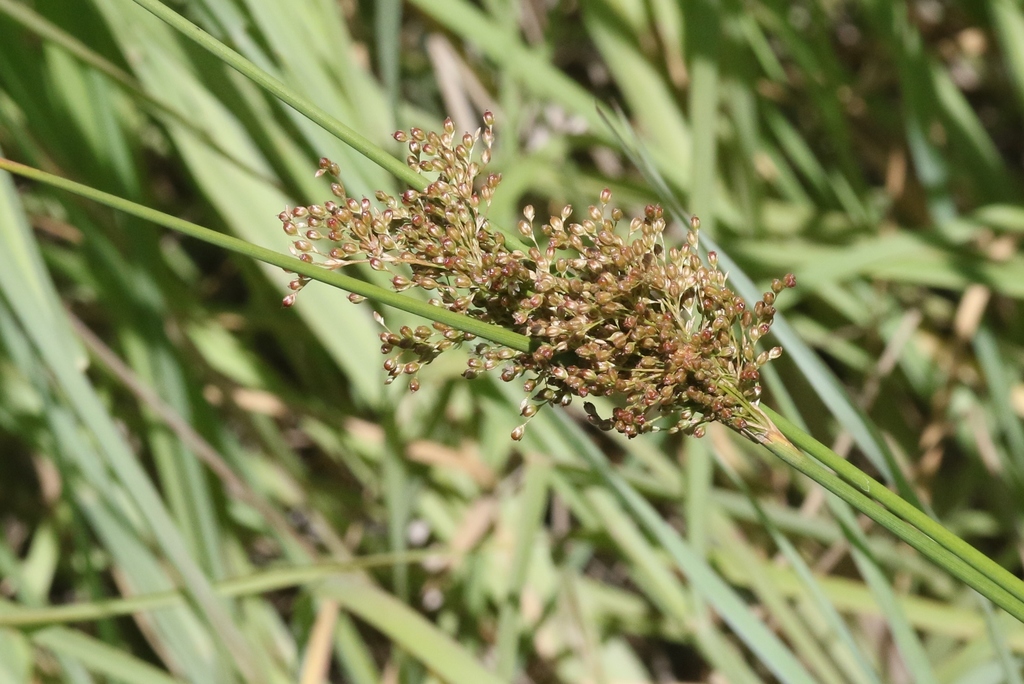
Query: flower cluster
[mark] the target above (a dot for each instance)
(614, 315)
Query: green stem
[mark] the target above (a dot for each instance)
(259, 583)
(304, 106)
(462, 322)
(47, 31)
(915, 516)
(290, 97)
(981, 580)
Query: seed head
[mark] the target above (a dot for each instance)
(614, 313)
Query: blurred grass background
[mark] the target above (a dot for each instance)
(166, 425)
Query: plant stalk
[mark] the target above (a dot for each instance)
(301, 104)
(915, 516)
(962, 561)
(462, 322)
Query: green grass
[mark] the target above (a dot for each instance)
(199, 485)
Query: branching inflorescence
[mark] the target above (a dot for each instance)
(621, 316)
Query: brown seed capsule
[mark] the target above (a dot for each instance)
(620, 314)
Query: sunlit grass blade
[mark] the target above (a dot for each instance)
(535, 500)
(388, 24)
(44, 324)
(719, 595)
(410, 631)
(101, 658)
(862, 670)
(264, 581)
(287, 95)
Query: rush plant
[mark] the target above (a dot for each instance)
(204, 447)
